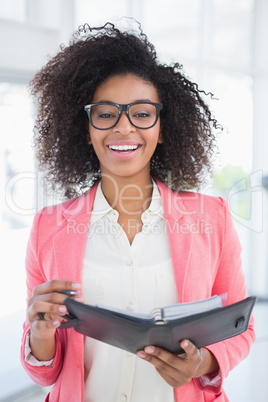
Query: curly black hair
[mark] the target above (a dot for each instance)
(68, 82)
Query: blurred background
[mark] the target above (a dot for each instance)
(222, 45)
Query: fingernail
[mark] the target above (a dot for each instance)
(149, 349)
(78, 299)
(185, 344)
(142, 355)
(63, 310)
(56, 323)
(76, 285)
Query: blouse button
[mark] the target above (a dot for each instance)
(146, 228)
(123, 398)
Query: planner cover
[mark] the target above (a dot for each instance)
(132, 332)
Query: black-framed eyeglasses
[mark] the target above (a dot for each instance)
(105, 115)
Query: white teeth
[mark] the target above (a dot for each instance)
(123, 147)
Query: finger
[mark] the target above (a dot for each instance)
(51, 310)
(56, 299)
(161, 354)
(49, 317)
(169, 366)
(189, 348)
(45, 329)
(54, 285)
(160, 358)
(157, 356)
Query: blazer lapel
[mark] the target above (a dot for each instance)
(180, 239)
(69, 242)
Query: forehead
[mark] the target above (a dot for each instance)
(125, 89)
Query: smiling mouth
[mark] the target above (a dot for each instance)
(123, 148)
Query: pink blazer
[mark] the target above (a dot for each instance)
(206, 257)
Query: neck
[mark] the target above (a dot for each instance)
(126, 196)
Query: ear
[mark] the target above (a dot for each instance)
(160, 138)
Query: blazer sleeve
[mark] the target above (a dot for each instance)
(230, 277)
(44, 376)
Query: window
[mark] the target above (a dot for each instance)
(13, 10)
(17, 200)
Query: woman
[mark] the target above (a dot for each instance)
(137, 133)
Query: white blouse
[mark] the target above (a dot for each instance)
(136, 277)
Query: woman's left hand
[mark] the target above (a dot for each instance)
(179, 370)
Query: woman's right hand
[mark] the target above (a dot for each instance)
(45, 299)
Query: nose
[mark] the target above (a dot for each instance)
(124, 126)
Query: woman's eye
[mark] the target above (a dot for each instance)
(106, 116)
(104, 112)
(142, 115)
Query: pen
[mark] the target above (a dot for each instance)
(67, 292)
